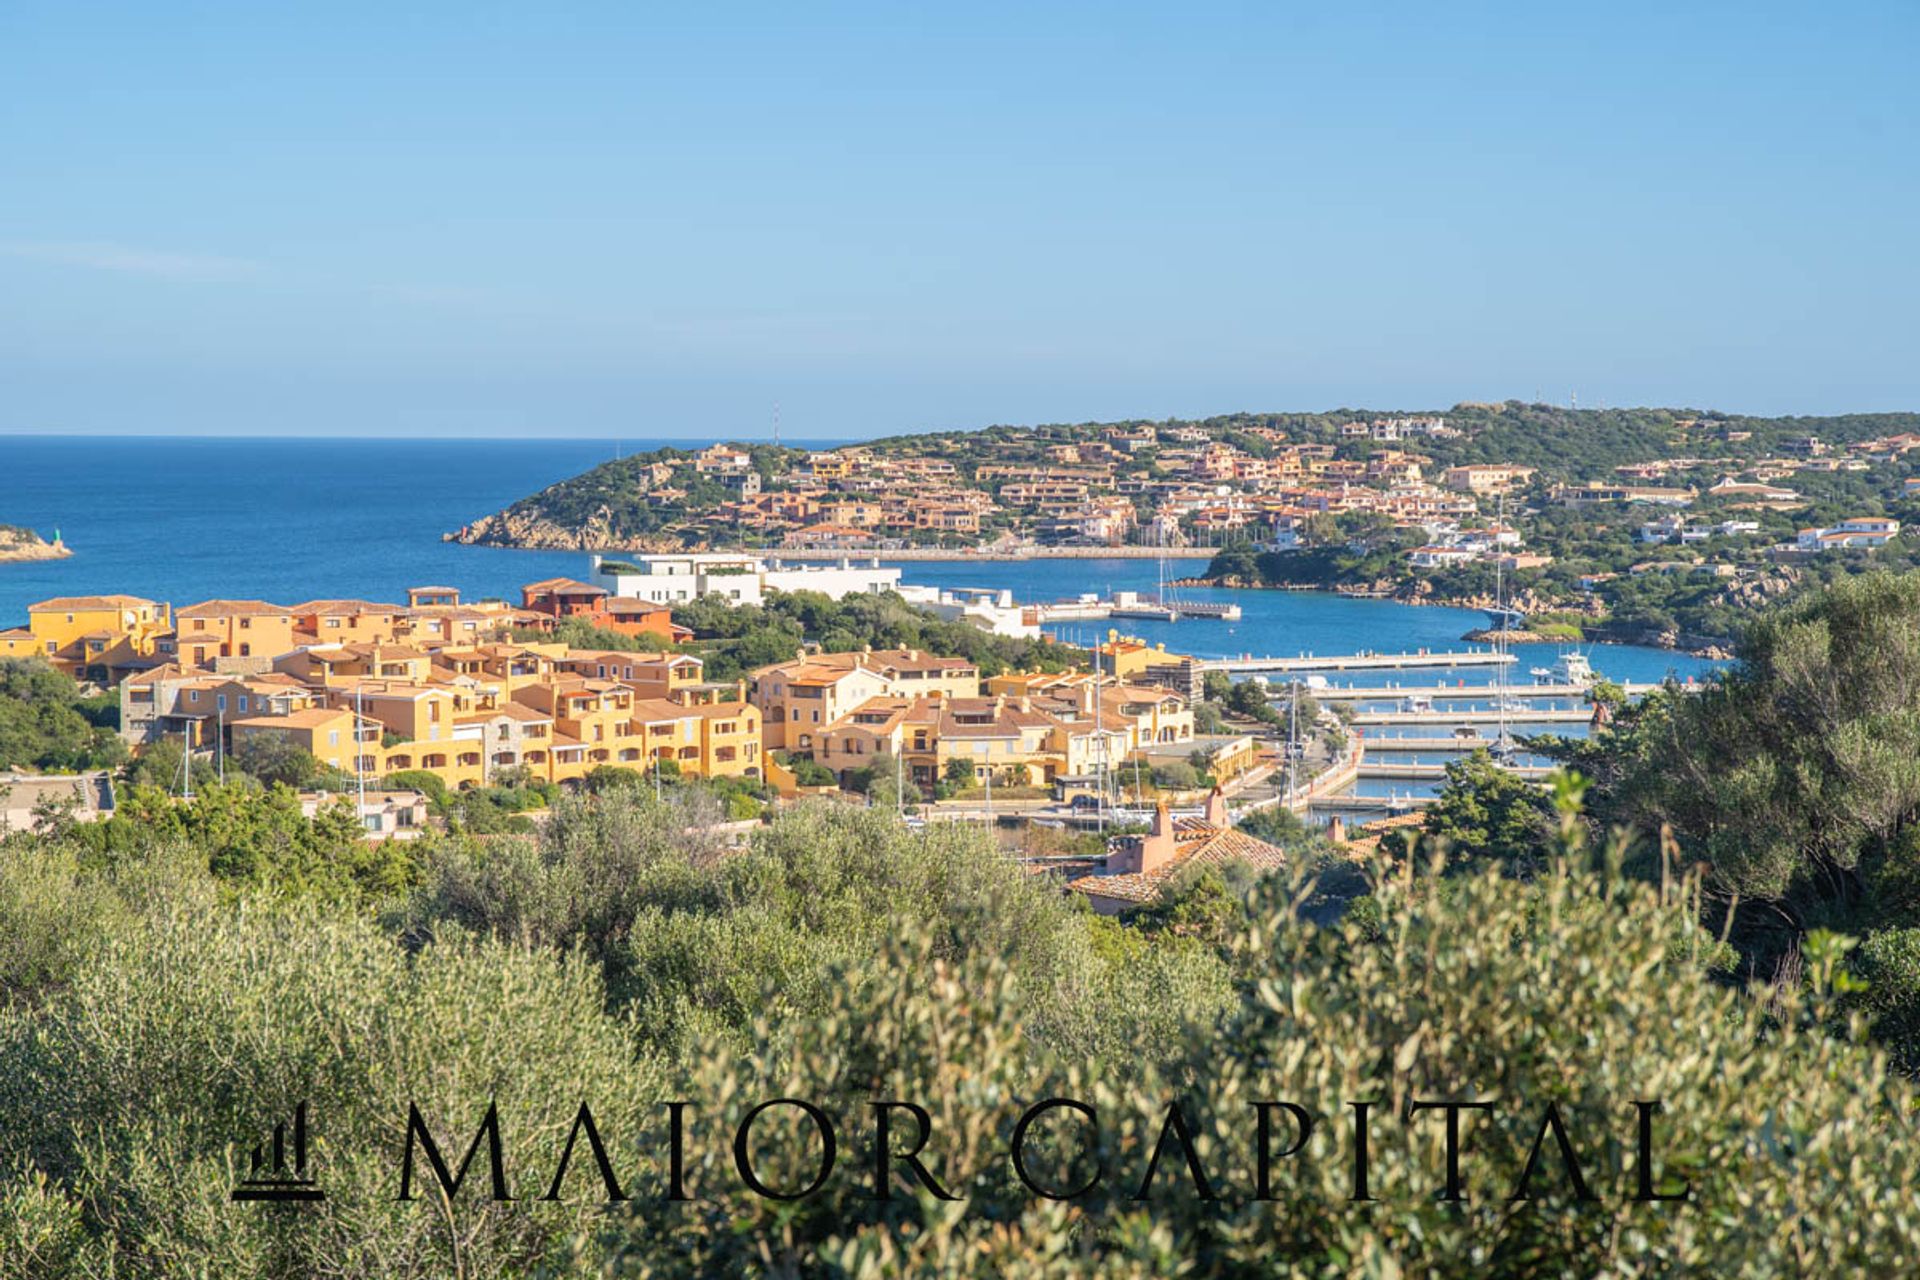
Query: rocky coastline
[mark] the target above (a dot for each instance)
(19, 544)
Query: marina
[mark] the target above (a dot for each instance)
(1248, 664)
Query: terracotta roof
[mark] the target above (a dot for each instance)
(1200, 843)
(564, 586)
(232, 608)
(310, 718)
(66, 603)
(344, 607)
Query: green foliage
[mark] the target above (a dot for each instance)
(135, 1090)
(1889, 963)
(578, 633)
(427, 783)
(273, 759)
(1276, 824)
(1485, 812)
(158, 766)
(46, 725)
(622, 956)
(1175, 775)
(807, 771)
(606, 777)
(1796, 777)
(753, 636)
(254, 837)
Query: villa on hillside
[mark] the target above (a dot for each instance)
(1850, 535)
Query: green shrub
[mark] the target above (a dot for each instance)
(140, 1086)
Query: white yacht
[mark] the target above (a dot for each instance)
(1572, 668)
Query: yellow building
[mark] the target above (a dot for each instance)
(103, 638)
(325, 732)
(801, 697)
(231, 629)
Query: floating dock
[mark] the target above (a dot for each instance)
(1551, 715)
(1434, 772)
(1455, 692)
(1248, 664)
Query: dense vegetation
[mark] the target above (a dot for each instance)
(1747, 951)
(46, 724)
(735, 639)
(161, 1016)
(618, 495)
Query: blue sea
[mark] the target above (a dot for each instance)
(185, 519)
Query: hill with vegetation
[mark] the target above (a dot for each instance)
(659, 500)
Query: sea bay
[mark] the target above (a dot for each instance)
(185, 519)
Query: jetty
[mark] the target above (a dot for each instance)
(1475, 715)
(1412, 745)
(1371, 804)
(1457, 692)
(1248, 664)
(1435, 772)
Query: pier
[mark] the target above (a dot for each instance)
(1248, 664)
(1435, 772)
(1457, 692)
(1370, 804)
(1550, 715)
(1428, 745)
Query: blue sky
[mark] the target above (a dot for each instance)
(637, 221)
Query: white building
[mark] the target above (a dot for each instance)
(1438, 557)
(990, 609)
(1857, 533)
(738, 578)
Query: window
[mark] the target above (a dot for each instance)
(193, 695)
(333, 737)
(220, 701)
(245, 649)
(243, 702)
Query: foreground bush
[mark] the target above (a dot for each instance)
(844, 961)
(1582, 990)
(139, 1088)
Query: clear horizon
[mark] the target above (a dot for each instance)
(603, 223)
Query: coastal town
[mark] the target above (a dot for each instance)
(377, 698)
(1649, 526)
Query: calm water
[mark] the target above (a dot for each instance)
(1288, 622)
(287, 520)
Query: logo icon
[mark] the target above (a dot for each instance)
(270, 1177)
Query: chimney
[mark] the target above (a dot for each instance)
(1337, 830)
(1086, 698)
(1217, 815)
(1158, 846)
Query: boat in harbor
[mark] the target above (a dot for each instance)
(1571, 669)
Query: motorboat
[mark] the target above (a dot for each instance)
(1570, 669)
